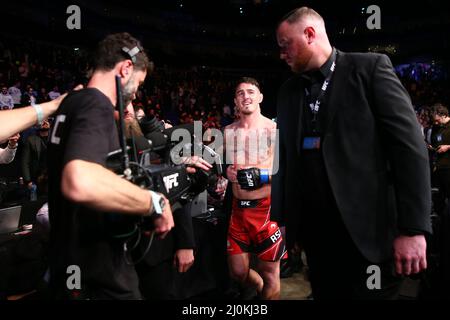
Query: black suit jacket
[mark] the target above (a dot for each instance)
(373, 150)
(34, 162)
(180, 237)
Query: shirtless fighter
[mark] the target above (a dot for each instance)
(250, 149)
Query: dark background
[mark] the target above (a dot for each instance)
(235, 37)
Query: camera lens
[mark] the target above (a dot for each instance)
(150, 124)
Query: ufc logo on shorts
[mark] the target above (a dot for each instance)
(276, 236)
(171, 181)
(245, 203)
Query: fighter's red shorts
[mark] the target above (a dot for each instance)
(251, 230)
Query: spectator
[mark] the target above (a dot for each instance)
(15, 93)
(6, 101)
(34, 156)
(54, 93)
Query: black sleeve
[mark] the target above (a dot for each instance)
(224, 170)
(404, 142)
(183, 231)
(278, 173)
(92, 125)
(26, 158)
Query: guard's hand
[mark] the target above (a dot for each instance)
(410, 254)
(164, 223)
(183, 259)
(249, 179)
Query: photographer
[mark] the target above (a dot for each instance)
(83, 194)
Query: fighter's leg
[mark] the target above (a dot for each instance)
(270, 273)
(239, 266)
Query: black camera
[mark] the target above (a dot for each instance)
(151, 166)
(151, 124)
(148, 163)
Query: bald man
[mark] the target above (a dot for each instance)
(353, 183)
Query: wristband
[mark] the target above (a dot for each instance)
(264, 176)
(39, 113)
(157, 202)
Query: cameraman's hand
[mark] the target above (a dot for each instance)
(198, 162)
(183, 259)
(443, 148)
(164, 223)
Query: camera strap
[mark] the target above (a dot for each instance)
(316, 106)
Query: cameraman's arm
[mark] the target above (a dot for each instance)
(94, 186)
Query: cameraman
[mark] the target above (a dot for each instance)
(86, 259)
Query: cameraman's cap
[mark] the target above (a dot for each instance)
(131, 53)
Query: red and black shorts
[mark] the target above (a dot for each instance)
(252, 231)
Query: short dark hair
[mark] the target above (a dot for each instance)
(117, 47)
(297, 14)
(440, 110)
(250, 80)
